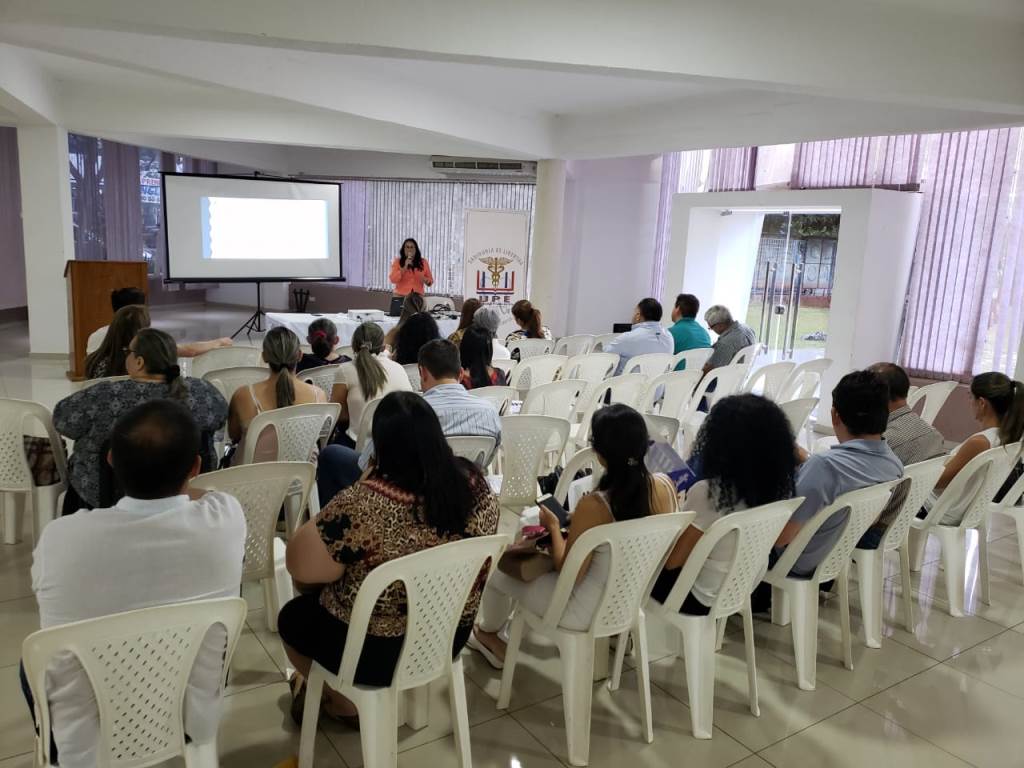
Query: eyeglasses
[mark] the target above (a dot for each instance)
(128, 351)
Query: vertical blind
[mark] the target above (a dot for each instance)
(863, 162)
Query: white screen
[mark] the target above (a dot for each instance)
(251, 229)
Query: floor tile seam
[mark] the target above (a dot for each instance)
(947, 663)
(1002, 629)
(533, 736)
(920, 736)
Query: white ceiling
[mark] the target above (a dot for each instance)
(531, 79)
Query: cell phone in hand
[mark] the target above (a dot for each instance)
(551, 504)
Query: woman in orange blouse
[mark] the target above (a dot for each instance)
(410, 272)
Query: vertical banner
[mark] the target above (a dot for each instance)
(495, 260)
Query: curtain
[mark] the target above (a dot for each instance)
(732, 170)
(87, 197)
(354, 231)
(963, 304)
(12, 244)
(122, 198)
(861, 162)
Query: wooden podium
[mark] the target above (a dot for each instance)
(89, 286)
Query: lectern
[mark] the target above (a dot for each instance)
(89, 287)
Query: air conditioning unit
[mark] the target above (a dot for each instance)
(476, 167)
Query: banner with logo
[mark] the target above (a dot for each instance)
(495, 260)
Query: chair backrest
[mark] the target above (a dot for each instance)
(412, 370)
(15, 419)
(570, 346)
(669, 393)
(662, 428)
(437, 584)
(298, 429)
(625, 389)
(934, 396)
(581, 460)
(536, 370)
(755, 531)
(93, 382)
(978, 479)
(770, 378)
(1015, 491)
(804, 380)
(226, 357)
(524, 439)
(694, 358)
(918, 481)
(653, 364)
(592, 366)
(322, 376)
(556, 398)
(824, 444)
(477, 448)
(603, 340)
(531, 347)
(505, 366)
(727, 380)
(797, 412)
(499, 396)
(366, 423)
(861, 507)
(261, 490)
(746, 356)
(637, 551)
(228, 380)
(139, 664)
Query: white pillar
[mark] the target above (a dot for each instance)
(48, 234)
(1018, 373)
(547, 286)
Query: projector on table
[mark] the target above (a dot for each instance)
(367, 315)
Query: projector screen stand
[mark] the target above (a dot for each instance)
(255, 321)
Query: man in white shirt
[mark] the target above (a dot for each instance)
(156, 546)
(647, 335)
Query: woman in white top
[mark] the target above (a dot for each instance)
(281, 352)
(745, 453)
(369, 376)
(626, 491)
(997, 404)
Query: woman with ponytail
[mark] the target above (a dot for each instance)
(626, 491)
(369, 376)
(528, 319)
(151, 362)
(997, 404)
(281, 353)
(323, 338)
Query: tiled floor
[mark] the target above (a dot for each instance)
(949, 693)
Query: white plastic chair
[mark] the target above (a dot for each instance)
(669, 394)
(603, 340)
(922, 478)
(799, 595)
(261, 489)
(570, 346)
(798, 412)
(477, 448)
(664, 429)
(536, 370)
(804, 380)
(498, 396)
(1010, 507)
(755, 531)
(591, 367)
(17, 485)
(650, 365)
(727, 379)
(694, 358)
(524, 444)
(437, 584)
(228, 380)
(139, 664)
(93, 382)
(226, 357)
(824, 444)
(981, 477)
(625, 389)
(366, 424)
(323, 376)
(581, 460)
(770, 378)
(637, 551)
(556, 398)
(746, 356)
(412, 370)
(934, 396)
(531, 347)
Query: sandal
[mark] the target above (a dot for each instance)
(352, 721)
(297, 685)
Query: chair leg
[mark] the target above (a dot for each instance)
(643, 678)
(804, 600)
(201, 755)
(748, 642)
(908, 588)
(843, 581)
(699, 642)
(577, 692)
(292, 515)
(378, 727)
(720, 633)
(602, 650)
(270, 606)
(10, 514)
(515, 638)
(1019, 523)
(780, 607)
(954, 557)
(869, 582)
(418, 707)
(917, 538)
(310, 715)
(984, 586)
(620, 654)
(460, 712)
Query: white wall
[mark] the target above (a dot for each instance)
(275, 295)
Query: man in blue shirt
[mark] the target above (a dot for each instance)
(686, 332)
(646, 337)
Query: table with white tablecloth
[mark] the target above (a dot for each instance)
(298, 323)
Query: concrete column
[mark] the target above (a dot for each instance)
(547, 285)
(48, 234)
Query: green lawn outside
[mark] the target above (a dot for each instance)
(809, 320)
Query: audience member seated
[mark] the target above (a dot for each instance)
(489, 319)
(124, 297)
(413, 304)
(109, 357)
(997, 404)
(156, 546)
(417, 331)
(477, 353)
(626, 491)
(416, 495)
(860, 411)
(528, 319)
(88, 415)
(686, 332)
(647, 336)
(323, 338)
(732, 336)
(460, 414)
(281, 352)
(469, 308)
(746, 454)
(370, 375)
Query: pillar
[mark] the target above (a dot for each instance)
(547, 287)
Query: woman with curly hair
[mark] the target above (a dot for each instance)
(746, 454)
